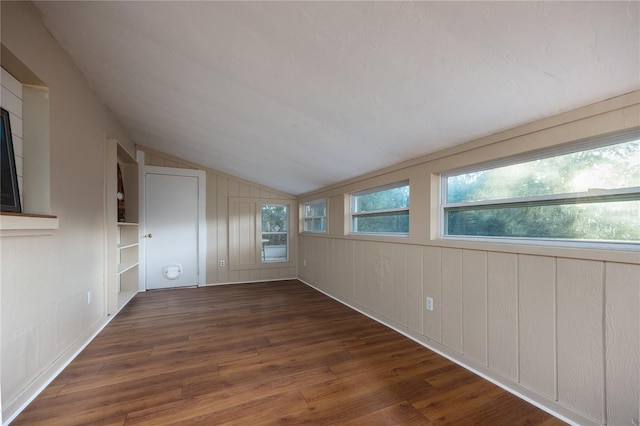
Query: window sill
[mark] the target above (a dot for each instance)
(630, 254)
(22, 224)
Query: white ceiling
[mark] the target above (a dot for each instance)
(299, 95)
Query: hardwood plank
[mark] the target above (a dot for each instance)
(399, 414)
(264, 353)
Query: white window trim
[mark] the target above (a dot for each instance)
(287, 232)
(546, 242)
(592, 195)
(370, 213)
(576, 146)
(304, 218)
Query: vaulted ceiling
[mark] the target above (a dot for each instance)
(300, 95)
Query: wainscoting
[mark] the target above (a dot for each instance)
(562, 332)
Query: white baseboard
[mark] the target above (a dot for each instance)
(22, 400)
(37, 385)
(531, 397)
(32, 390)
(250, 281)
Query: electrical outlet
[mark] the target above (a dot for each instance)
(304, 262)
(429, 303)
(89, 297)
(222, 263)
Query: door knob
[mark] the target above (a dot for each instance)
(149, 235)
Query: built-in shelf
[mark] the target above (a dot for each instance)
(123, 238)
(126, 245)
(124, 267)
(124, 297)
(128, 261)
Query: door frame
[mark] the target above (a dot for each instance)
(202, 223)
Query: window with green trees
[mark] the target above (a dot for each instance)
(275, 233)
(314, 216)
(382, 210)
(590, 192)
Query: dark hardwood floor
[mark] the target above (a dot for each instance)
(267, 353)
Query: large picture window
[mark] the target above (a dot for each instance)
(275, 233)
(588, 193)
(314, 216)
(382, 210)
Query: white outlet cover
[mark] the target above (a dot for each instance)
(429, 304)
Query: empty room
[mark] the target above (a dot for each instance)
(332, 213)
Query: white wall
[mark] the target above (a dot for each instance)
(45, 278)
(558, 325)
(11, 100)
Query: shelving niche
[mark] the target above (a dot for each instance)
(127, 262)
(122, 237)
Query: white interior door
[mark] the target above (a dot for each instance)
(171, 225)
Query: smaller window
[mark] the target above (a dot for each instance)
(314, 216)
(382, 210)
(275, 233)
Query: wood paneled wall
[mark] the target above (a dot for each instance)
(222, 217)
(559, 325)
(561, 328)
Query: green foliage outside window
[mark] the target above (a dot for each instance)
(382, 211)
(274, 218)
(314, 216)
(275, 228)
(563, 194)
(397, 223)
(393, 198)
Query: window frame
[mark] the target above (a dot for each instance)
(304, 218)
(35, 192)
(287, 233)
(380, 212)
(589, 196)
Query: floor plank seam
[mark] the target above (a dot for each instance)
(266, 353)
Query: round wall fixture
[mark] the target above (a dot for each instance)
(172, 271)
